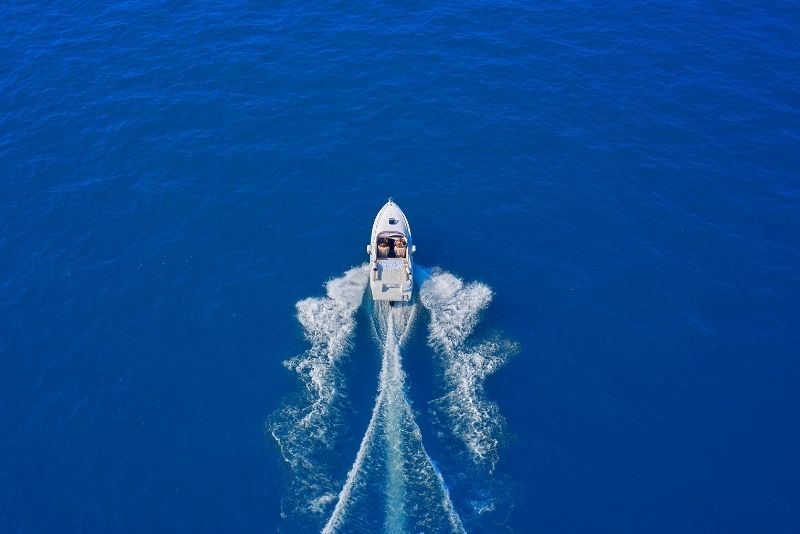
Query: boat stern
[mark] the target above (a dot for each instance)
(391, 279)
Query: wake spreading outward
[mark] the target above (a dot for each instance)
(454, 309)
(393, 485)
(303, 431)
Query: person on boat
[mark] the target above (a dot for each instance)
(400, 248)
(383, 248)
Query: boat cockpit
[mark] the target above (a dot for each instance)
(392, 245)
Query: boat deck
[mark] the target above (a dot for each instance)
(389, 279)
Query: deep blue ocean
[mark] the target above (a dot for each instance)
(607, 193)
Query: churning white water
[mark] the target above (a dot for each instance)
(304, 430)
(393, 485)
(416, 498)
(455, 309)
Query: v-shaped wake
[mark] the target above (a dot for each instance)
(393, 444)
(393, 485)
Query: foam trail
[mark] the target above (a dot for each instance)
(303, 430)
(416, 498)
(455, 309)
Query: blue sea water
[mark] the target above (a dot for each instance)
(622, 176)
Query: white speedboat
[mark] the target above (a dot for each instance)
(390, 251)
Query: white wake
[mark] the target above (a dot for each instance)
(391, 453)
(303, 430)
(455, 309)
(393, 485)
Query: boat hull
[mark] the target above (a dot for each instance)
(391, 256)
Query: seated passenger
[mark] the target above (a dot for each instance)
(383, 248)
